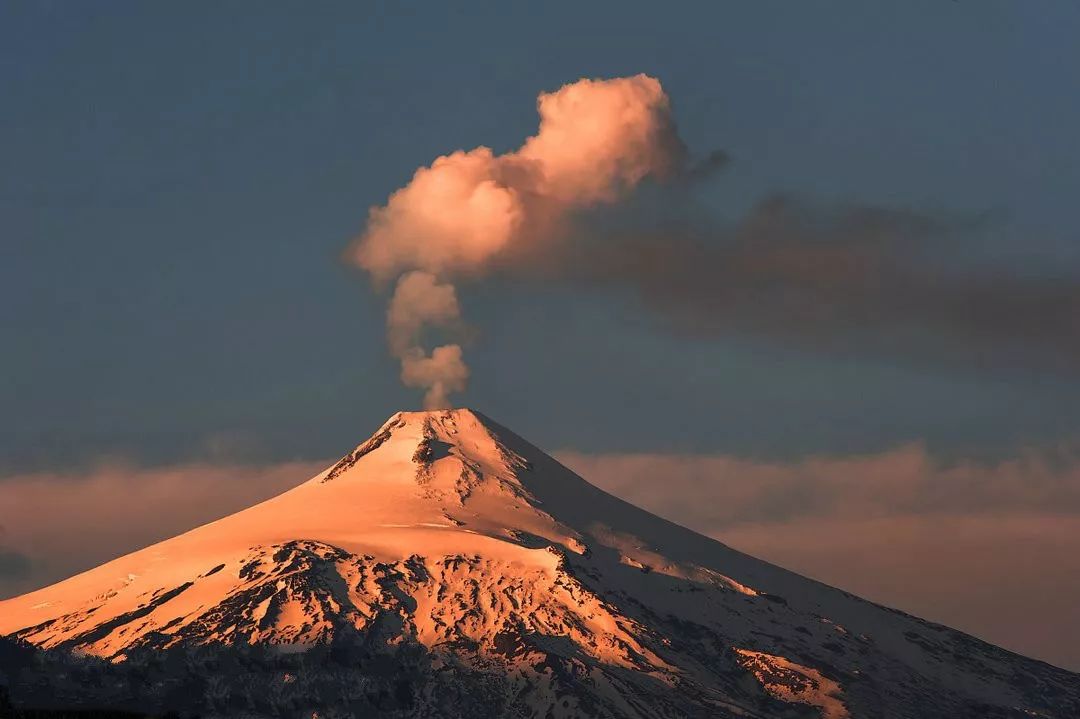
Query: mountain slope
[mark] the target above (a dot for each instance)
(447, 532)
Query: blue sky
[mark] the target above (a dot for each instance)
(181, 181)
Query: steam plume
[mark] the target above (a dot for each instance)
(597, 140)
(421, 300)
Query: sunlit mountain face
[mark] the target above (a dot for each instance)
(446, 567)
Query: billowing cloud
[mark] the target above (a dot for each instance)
(440, 373)
(597, 140)
(849, 278)
(421, 301)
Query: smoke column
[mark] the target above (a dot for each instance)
(457, 217)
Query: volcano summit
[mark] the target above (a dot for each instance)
(486, 579)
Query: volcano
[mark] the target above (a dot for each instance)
(486, 579)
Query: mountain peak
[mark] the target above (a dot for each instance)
(455, 426)
(452, 414)
(467, 438)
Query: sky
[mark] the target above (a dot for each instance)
(182, 182)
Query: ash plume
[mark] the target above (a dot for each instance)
(846, 278)
(421, 301)
(571, 206)
(597, 140)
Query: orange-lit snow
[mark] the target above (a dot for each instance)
(446, 529)
(790, 682)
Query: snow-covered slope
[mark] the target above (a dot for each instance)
(450, 533)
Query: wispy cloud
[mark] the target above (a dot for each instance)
(60, 523)
(720, 492)
(908, 284)
(987, 547)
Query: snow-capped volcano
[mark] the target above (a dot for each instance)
(450, 534)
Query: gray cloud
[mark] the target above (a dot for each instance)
(13, 564)
(843, 278)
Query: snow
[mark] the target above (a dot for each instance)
(791, 682)
(491, 542)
